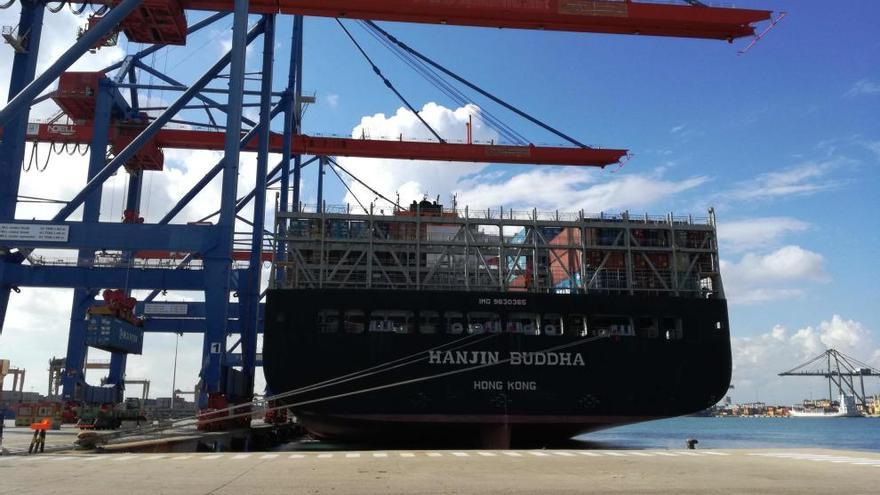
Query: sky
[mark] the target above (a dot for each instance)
(782, 141)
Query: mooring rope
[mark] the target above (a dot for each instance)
(263, 404)
(201, 420)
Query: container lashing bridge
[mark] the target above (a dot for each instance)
(105, 111)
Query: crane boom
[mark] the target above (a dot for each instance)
(364, 148)
(589, 16)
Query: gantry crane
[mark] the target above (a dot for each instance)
(840, 370)
(107, 122)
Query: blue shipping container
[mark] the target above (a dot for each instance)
(114, 335)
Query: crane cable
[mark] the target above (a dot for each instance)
(34, 159)
(101, 10)
(476, 88)
(56, 9)
(450, 91)
(353, 195)
(437, 80)
(388, 83)
(377, 193)
(81, 9)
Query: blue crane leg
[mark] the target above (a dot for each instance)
(251, 296)
(298, 30)
(12, 147)
(118, 360)
(73, 380)
(290, 104)
(218, 260)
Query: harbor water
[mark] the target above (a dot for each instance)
(743, 432)
(713, 433)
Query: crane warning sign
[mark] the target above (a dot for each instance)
(34, 232)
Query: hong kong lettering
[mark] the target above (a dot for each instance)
(493, 385)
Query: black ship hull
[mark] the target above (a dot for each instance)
(395, 366)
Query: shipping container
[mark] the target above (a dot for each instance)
(111, 334)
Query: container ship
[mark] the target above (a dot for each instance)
(433, 324)
(846, 407)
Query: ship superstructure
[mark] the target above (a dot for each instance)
(427, 247)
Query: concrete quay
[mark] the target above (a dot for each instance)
(752, 471)
(17, 439)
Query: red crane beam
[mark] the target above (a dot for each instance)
(589, 16)
(457, 152)
(364, 148)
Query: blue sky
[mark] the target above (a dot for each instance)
(787, 102)
(784, 141)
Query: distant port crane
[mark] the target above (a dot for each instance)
(840, 370)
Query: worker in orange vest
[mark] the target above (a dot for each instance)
(38, 443)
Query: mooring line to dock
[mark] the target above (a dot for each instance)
(431, 377)
(263, 407)
(585, 340)
(263, 403)
(381, 368)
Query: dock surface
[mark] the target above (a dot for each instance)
(777, 471)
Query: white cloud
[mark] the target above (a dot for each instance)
(863, 87)
(802, 180)
(684, 133)
(873, 147)
(786, 263)
(564, 188)
(413, 179)
(757, 360)
(573, 189)
(758, 295)
(754, 233)
(758, 278)
(332, 100)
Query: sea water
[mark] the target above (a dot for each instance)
(737, 433)
(731, 433)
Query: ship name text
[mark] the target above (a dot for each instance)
(515, 358)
